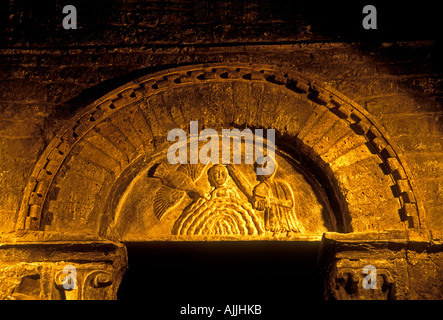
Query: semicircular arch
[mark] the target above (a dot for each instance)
(348, 152)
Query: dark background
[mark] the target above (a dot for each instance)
(279, 276)
(111, 23)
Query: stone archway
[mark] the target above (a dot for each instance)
(133, 121)
(327, 144)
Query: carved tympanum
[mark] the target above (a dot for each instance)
(219, 201)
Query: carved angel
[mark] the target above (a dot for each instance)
(274, 197)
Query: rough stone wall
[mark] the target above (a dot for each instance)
(398, 85)
(48, 73)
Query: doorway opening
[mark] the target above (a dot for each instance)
(174, 274)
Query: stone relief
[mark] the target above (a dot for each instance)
(272, 196)
(44, 280)
(349, 285)
(213, 202)
(217, 201)
(176, 184)
(61, 270)
(221, 212)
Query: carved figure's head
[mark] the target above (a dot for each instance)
(265, 163)
(217, 175)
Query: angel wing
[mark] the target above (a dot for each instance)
(176, 183)
(165, 199)
(193, 170)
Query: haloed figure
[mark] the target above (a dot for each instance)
(276, 199)
(218, 175)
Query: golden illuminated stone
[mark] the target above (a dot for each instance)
(105, 180)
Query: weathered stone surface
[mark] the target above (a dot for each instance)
(38, 270)
(357, 114)
(403, 267)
